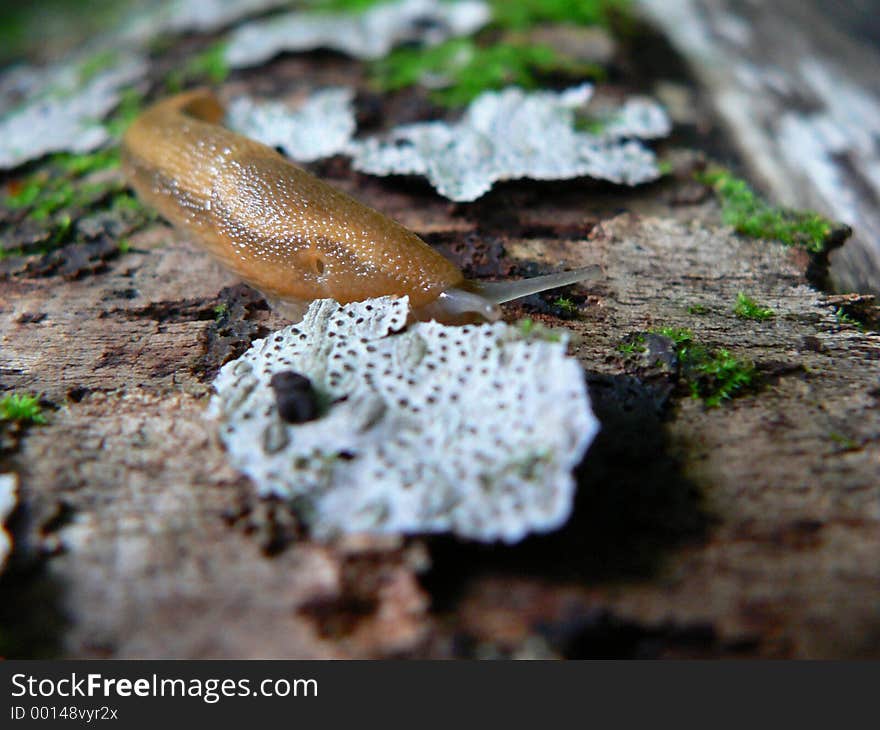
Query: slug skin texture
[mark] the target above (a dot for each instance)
(279, 228)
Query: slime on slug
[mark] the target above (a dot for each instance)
(287, 233)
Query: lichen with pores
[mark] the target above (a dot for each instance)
(473, 430)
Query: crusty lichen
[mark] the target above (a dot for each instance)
(322, 126)
(369, 35)
(510, 135)
(61, 111)
(473, 430)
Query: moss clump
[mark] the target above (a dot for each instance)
(753, 216)
(697, 309)
(21, 409)
(633, 345)
(221, 311)
(843, 317)
(711, 375)
(523, 14)
(45, 192)
(208, 66)
(529, 328)
(65, 186)
(747, 308)
(88, 163)
(462, 69)
(566, 305)
(58, 184)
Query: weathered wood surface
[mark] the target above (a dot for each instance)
(797, 85)
(751, 529)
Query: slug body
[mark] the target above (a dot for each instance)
(284, 231)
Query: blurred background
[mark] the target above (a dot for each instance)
(793, 85)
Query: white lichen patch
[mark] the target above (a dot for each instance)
(473, 430)
(8, 500)
(321, 127)
(155, 18)
(367, 35)
(514, 134)
(640, 118)
(207, 16)
(56, 109)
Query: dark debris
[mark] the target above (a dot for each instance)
(236, 324)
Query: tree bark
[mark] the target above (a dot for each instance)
(747, 529)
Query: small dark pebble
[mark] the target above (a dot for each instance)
(296, 399)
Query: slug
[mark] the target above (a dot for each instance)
(287, 233)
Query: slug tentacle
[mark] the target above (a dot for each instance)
(286, 232)
(506, 291)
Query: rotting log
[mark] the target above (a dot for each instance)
(796, 85)
(748, 529)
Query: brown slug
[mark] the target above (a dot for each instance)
(287, 233)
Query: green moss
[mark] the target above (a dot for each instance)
(13, 35)
(679, 335)
(523, 14)
(99, 62)
(747, 308)
(664, 167)
(722, 377)
(63, 229)
(590, 125)
(21, 408)
(464, 69)
(131, 104)
(58, 184)
(124, 245)
(565, 304)
(90, 162)
(846, 443)
(753, 216)
(697, 309)
(25, 193)
(529, 328)
(126, 202)
(846, 319)
(66, 185)
(713, 376)
(526, 326)
(633, 345)
(220, 311)
(208, 66)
